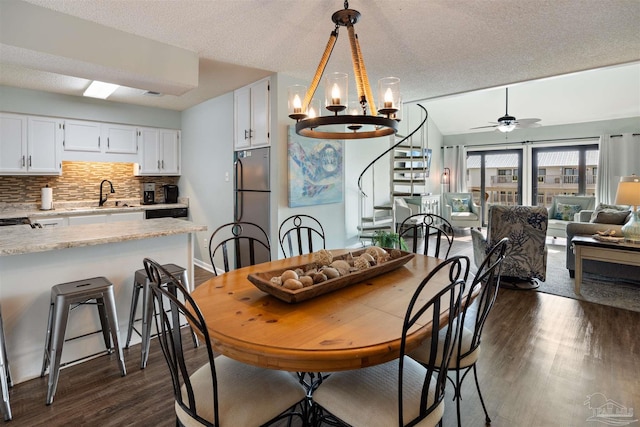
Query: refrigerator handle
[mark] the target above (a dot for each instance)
(238, 182)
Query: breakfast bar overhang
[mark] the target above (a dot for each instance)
(34, 260)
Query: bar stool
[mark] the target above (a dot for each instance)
(67, 296)
(141, 283)
(5, 375)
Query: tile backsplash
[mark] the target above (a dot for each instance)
(80, 181)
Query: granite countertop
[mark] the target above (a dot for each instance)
(18, 240)
(20, 210)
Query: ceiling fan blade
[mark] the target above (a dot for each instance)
(528, 123)
(485, 127)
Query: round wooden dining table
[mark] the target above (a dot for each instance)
(354, 327)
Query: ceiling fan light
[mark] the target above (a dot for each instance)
(506, 127)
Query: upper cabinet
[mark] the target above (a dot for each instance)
(121, 139)
(251, 116)
(96, 141)
(159, 152)
(30, 145)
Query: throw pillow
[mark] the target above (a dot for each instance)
(610, 216)
(566, 212)
(460, 205)
(605, 207)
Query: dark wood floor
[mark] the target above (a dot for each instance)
(542, 355)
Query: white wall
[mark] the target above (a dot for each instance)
(207, 156)
(26, 101)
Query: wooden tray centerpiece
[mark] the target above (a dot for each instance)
(379, 261)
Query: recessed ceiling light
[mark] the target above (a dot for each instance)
(100, 90)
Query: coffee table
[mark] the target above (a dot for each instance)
(586, 247)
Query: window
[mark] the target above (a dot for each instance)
(563, 170)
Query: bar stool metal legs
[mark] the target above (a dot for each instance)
(141, 283)
(65, 295)
(5, 375)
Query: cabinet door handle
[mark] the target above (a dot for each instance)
(98, 142)
(23, 161)
(158, 164)
(162, 164)
(30, 160)
(250, 133)
(108, 143)
(247, 133)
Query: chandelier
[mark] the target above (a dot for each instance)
(361, 118)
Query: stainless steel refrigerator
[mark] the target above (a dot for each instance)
(253, 193)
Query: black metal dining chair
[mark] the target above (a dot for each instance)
(401, 392)
(300, 234)
(240, 243)
(222, 391)
(428, 234)
(484, 289)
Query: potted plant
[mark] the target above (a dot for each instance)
(389, 239)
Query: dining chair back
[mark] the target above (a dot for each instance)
(216, 393)
(240, 244)
(300, 234)
(480, 299)
(427, 234)
(404, 391)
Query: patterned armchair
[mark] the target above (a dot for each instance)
(526, 228)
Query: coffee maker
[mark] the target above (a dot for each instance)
(148, 194)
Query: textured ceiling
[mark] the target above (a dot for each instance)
(437, 48)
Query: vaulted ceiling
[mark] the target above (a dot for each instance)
(456, 55)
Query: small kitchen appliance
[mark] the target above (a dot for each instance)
(170, 193)
(148, 194)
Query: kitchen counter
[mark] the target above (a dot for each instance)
(32, 260)
(24, 239)
(73, 209)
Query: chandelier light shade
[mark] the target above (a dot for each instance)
(362, 120)
(629, 194)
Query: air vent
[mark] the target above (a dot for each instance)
(152, 93)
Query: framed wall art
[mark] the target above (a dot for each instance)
(316, 170)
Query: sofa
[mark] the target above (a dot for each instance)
(586, 225)
(564, 209)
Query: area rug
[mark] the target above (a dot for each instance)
(594, 288)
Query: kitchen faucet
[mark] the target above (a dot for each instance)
(102, 201)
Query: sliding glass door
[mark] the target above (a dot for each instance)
(495, 177)
(563, 170)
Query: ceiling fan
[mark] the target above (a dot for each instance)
(508, 123)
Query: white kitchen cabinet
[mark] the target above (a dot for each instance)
(48, 222)
(81, 135)
(159, 152)
(30, 145)
(125, 216)
(120, 138)
(251, 116)
(88, 219)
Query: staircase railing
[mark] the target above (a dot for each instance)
(362, 194)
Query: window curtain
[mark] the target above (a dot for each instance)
(618, 156)
(455, 158)
(603, 183)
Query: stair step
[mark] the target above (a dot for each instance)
(407, 194)
(405, 147)
(373, 228)
(383, 207)
(410, 181)
(409, 158)
(403, 170)
(381, 220)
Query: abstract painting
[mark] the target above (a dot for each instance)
(316, 170)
